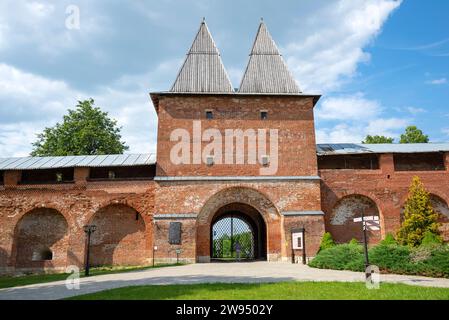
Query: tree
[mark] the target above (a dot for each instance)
(377, 139)
(413, 135)
(326, 242)
(84, 131)
(419, 216)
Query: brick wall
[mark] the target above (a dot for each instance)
(292, 116)
(29, 212)
(385, 187)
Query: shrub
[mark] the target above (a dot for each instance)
(431, 239)
(389, 239)
(390, 257)
(419, 216)
(340, 257)
(354, 242)
(326, 242)
(438, 263)
(430, 259)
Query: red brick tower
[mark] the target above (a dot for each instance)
(235, 159)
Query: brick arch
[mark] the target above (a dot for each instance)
(123, 236)
(238, 195)
(63, 210)
(340, 221)
(41, 229)
(441, 207)
(114, 202)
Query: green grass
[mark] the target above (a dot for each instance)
(16, 281)
(272, 291)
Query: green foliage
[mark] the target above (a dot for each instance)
(431, 239)
(354, 242)
(340, 257)
(225, 246)
(84, 131)
(300, 290)
(391, 258)
(389, 240)
(377, 139)
(413, 135)
(326, 242)
(419, 216)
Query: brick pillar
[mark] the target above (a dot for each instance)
(12, 178)
(81, 175)
(387, 163)
(446, 161)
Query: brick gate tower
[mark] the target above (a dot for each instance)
(236, 168)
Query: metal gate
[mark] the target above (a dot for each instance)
(232, 239)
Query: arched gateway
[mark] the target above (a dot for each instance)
(238, 232)
(238, 224)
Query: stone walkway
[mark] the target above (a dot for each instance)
(254, 272)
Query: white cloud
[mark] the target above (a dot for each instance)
(352, 118)
(31, 102)
(356, 132)
(41, 25)
(415, 111)
(354, 107)
(386, 127)
(339, 134)
(437, 81)
(324, 59)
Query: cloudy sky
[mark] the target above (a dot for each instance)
(380, 64)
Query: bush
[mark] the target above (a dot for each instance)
(437, 265)
(390, 257)
(419, 216)
(432, 261)
(389, 239)
(431, 239)
(354, 242)
(326, 242)
(340, 257)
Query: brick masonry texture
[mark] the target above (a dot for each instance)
(133, 217)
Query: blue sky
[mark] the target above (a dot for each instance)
(380, 64)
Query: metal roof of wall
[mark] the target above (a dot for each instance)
(355, 148)
(121, 160)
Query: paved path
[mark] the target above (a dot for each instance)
(205, 273)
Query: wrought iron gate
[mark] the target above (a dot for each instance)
(232, 239)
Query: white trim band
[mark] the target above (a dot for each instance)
(302, 213)
(237, 178)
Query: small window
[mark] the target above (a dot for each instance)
(265, 161)
(263, 115)
(59, 177)
(210, 160)
(209, 115)
(42, 255)
(111, 174)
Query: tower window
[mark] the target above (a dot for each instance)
(209, 115)
(59, 177)
(111, 174)
(263, 115)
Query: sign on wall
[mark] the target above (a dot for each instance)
(174, 233)
(298, 241)
(371, 223)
